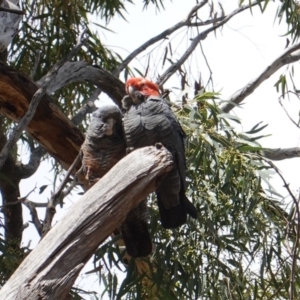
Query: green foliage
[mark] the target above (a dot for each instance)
(48, 34)
(290, 10)
(10, 258)
(236, 249)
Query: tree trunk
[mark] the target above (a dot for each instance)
(51, 268)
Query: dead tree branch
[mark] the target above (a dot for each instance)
(12, 11)
(34, 215)
(50, 270)
(291, 55)
(281, 154)
(87, 108)
(49, 126)
(14, 137)
(80, 71)
(57, 197)
(30, 168)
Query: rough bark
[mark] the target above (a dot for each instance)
(50, 127)
(50, 269)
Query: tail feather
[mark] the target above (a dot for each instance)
(175, 216)
(135, 232)
(171, 217)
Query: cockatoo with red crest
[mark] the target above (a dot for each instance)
(149, 120)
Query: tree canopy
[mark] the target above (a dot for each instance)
(245, 242)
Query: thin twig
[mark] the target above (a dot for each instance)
(88, 107)
(14, 137)
(161, 36)
(286, 58)
(280, 102)
(34, 215)
(57, 197)
(12, 11)
(175, 66)
(31, 11)
(297, 228)
(22, 200)
(26, 196)
(32, 208)
(36, 62)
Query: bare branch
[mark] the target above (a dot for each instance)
(30, 192)
(49, 127)
(281, 154)
(57, 197)
(87, 108)
(175, 66)
(34, 104)
(161, 36)
(286, 58)
(29, 169)
(32, 208)
(81, 71)
(207, 22)
(34, 215)
(36, 62)
(12, 11)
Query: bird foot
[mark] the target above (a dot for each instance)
(129, 150)
(158, 145)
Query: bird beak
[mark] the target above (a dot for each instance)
(109, 130)
(131, 90)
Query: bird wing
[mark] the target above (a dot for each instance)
(104, 146)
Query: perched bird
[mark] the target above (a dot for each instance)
(103, 147)
(149, 120)
(104, 143)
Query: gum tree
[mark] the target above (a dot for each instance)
(244, 244)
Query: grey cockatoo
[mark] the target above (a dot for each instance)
(103, 147)
(149, 120)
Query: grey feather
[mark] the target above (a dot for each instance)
(103, 147)
(152, 121)
(104, 144)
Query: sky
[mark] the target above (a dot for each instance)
(237, 53)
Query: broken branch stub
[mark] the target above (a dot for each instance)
(51, 268)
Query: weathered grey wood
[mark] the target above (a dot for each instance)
(51, 268)
(80, 71)
(281, 153)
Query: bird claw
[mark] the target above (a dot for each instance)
(158, 145)
(129, 150)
